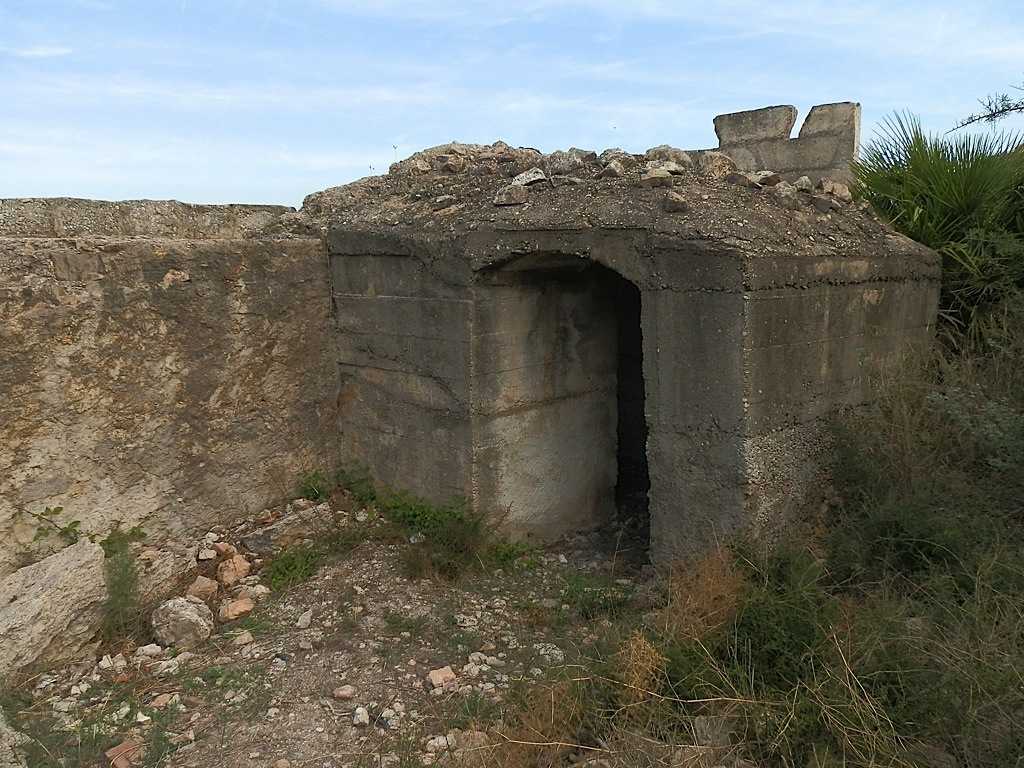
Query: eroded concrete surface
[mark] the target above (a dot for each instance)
(167, 383)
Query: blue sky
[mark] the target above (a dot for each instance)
(266, 101)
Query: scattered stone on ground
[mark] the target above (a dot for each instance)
(184, 622)
(676, 203)
(657, 178)
(203, 588)
(716, 164)
(354, 663)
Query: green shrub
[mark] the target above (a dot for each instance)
(782, 622)
(357, 481)
(930, 476)
(962, 196)
(594, 596)
(123, 613)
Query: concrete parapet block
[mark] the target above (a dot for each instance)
(755, 125)
(834, 119)
(828, 141)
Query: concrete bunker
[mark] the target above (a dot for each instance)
(559, 340)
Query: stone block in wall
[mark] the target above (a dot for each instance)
(755, 125)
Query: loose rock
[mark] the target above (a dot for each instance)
(823, 204)
(767, 178)
(150, 651)
(245, 638)
(835, 188)
(203, 588)
(513, 194)
(672, 154)
(52, 609)
(740, 179)
(568, 163)
(657, 178)
(255, 593)
(803, 184)
(614, 170)
(344, 692)
(11, 743)
(224, 549)
(675, 203)
(126, 754)
(620, 156)
(665, 165)
(787, 195)
(526, 178)
(439, 678)
(232, 570)
(717, 165)
(184, 622)
(235, 609)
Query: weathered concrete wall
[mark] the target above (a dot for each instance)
(759, 139)
(402, 319)
(693, 372)
(167, 383)
(74, 217)
(815, 334)
(545, 346)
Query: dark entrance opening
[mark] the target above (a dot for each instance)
(634, 482)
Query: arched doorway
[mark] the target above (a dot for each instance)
(560, 426)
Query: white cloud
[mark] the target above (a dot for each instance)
(915, 29)
(38, 51)
(200, 95)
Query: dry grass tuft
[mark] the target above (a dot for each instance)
(703, 595)
(641, 667)
(544, 731)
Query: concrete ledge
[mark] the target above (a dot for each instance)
(74, 217)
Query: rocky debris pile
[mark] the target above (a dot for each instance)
(226, 584)
(11, 746)
(53, 609)
(358, 661)
(462, 187)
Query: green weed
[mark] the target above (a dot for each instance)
(314, 485)
(593, 596)
(293, 566)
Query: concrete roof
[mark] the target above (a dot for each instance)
(430, 197)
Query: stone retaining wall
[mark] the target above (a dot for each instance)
(170, 383)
